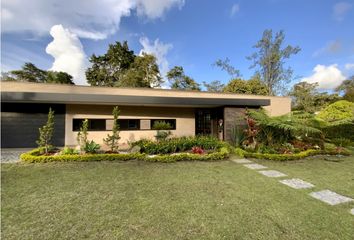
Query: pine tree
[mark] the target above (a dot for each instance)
(46, 132)
(82, 135)
(112, 140)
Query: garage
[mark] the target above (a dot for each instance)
(20, 123)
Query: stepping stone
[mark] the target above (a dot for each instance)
(330, 197)
(352, 211)
(255, 166)
(272, 173)
(241, 161)
(296, 183)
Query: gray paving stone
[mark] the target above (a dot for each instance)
(272, 173)
(255, 166)
(352, 211)
(241, 161)
(330, 197)
(296, 183)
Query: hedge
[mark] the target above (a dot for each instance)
(34, 157)
(340, 130)
(286, 157)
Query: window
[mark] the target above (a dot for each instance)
(93, 124)
(129, 124)
(172, 122)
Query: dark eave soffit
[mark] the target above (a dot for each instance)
(67, 98)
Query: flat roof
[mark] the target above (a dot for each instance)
(71, 94)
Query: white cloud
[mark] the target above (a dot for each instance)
(68, 53)
(94, 19)
(159, 50)
(327, 77)
(234, 9)
(349, 66)
(340, 10)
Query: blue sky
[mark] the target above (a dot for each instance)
(190, 33)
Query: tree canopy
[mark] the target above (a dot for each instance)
(347, 88)
(269, 60)
(252, 86)
(120, 67)
(214, 86)
(30, 73)
(179, 80)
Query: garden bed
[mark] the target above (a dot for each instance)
(287, 157)
(35, 157)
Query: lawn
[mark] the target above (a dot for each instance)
(184, 200)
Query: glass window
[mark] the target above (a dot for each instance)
(129, 124)
(172, 122)
(93, 124)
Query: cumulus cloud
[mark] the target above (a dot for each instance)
(68, 53)
(94, 19)
(159, 50)
(327, 77)
(332, 47)
(234, 9)
(340, 10)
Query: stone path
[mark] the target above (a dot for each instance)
(254, 166)
(330, 197)
(11, 155)
(272, 173)
(296, 183)
(241, 161)
(326, 196)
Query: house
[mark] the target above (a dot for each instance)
(25, 106)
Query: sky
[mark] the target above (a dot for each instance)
(62, 35)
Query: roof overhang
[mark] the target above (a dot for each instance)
(99, 99)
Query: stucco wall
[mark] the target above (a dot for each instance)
(185, 121)
(279, 106)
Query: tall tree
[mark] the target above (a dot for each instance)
(30, 73)
(143, 72)
(252, 86)
(179, 80)
(269, 60)
(347, 89)
(214, 86)
(225, 65)
(109, 68)
(112, 140)
(46, 132)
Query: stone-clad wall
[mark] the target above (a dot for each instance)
(232, 116)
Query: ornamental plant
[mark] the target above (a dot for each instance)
(163, 130)
(82, 135)
(46, 132)
(112, 140)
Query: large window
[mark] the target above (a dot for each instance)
(172, 122)
(124, 124)
(93, 124)
(129, 124)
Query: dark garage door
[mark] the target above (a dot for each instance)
(20, 123)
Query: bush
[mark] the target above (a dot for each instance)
(340, 129)
(91, 147)
(182, 144)
(68, 151)
(342, 142)
(339, 110)
(35, 157)
(295, 156)
(197, 150)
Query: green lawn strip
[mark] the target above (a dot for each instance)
(139, 200)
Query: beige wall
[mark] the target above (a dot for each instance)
(185, 121)
(279, 106)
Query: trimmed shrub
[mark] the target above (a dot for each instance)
(182, 144)
(339, 110)
(295, 156)
(342, 129)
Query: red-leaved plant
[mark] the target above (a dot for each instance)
(197, 150)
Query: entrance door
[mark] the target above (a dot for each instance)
(206, 121)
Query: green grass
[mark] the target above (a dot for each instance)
(184, 200)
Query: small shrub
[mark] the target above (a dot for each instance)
(162, 135)
(82, 135)
(342, 142)
(91, 147)
(69, 151)
(46, 132)
(112, 140)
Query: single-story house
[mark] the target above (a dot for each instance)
(24, 108)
